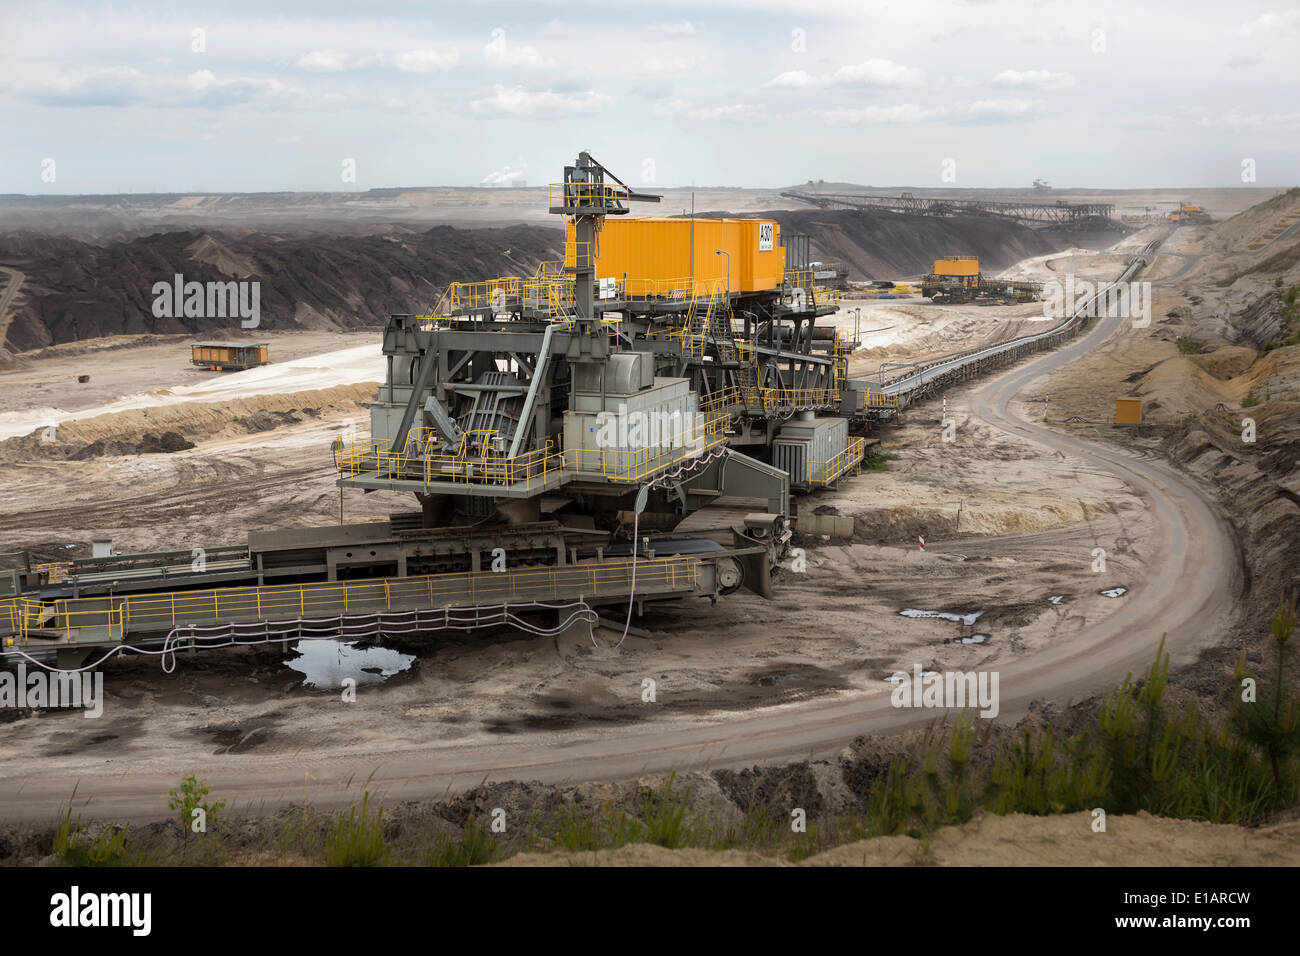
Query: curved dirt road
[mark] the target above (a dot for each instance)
(1190, 595)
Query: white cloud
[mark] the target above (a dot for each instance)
(504, 175)
(111, 86)
(875, 73)
(727, 112)
(125, 86)
(517, 101)
(731, 112)
(674, 107)
(323, 61)
(1234, 120)
(1032, 80)
(204, 88)
(1272, 24)
(993, 110)
(792, 79)
(670, 64)
(427, 61)
(872, 115)
(673, 31)
(501, 52)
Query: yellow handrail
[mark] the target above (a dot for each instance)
(158, 611)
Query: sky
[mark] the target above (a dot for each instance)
(328, 95)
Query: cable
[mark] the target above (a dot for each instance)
(342, 626)
(636, 540)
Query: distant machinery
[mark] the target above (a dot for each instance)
(958, 279)
(229, 356)
(1068, 215)
(1188, 212)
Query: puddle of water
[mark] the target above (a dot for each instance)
(1114, 592)
(328, 663)
(771, 680)
(973, 639)
(966, 619)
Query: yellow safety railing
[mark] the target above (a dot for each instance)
(163, 611)
(548, 292)
(11, 617)
(578, 255)
(880, 400)
(806, 397)
(606, 195)
(54, 572)
(843, 349)
(692, 343)
(483, 465)
(825, 472)
(737, 350)
(814, 294)
(722, 400)
(71, 614)
(644, 290)
(759, 399)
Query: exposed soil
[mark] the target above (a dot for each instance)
(77, 290)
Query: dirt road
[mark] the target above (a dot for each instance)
(1188, 591)
(7, 297)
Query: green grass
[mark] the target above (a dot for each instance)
(879, 462)
(72, 848)
(473, 847)
(358, 840)
(1250, 401)
(666, 815)
(1187, 347)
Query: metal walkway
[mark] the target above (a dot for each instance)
(67, 628)
(1058, 213)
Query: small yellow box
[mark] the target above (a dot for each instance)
(1128, 411)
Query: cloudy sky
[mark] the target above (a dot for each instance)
(255, 96)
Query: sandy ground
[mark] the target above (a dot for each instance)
(1012, 840)
(44, 391)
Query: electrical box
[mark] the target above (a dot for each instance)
(1128, 411)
